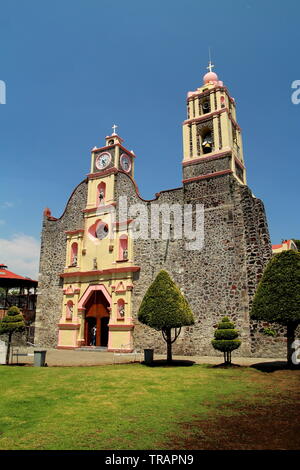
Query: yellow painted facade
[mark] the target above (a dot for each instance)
(99, 263)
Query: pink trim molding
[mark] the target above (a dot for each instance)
(74, 232)
(128, 269)
(110, 171)
(239, 163)
(98, 208)
(207, 158)
(89, 291)
(206, 116)
(209, 175)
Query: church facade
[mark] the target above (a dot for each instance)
(98, 259)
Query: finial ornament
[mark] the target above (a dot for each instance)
(210, 64)
(114, 127)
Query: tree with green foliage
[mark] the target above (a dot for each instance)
(277, 298)
(11, 323)
(225, 339)
(165, 308)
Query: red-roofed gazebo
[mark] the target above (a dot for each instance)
(17, 290)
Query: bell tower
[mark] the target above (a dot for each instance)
(212, 142)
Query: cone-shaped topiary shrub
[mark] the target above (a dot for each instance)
(225, 339)
(164, 307)
(11, 323)
(277, 298)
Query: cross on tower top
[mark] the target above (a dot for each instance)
(114, 127)
(210, 66)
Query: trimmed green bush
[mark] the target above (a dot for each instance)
(11, 323)
(225, 339)
(225, 333)
(277, 298)
(164, 307)
(224, 325)
(225, 345)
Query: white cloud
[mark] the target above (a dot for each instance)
(21, 254)
(7, 204)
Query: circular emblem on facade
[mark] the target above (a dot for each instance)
(125, 162)
(103, 160)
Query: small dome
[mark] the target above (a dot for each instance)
(210, 77)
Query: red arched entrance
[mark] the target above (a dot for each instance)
(97, 308)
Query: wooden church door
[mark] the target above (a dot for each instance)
(97, 315)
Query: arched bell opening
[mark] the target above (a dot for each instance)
(207, 142)
(206, 106)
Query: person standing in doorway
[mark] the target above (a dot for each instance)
(94, 334)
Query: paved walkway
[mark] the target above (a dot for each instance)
(59, 357)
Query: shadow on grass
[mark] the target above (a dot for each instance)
(164, 363)
(225, 366)
(274, 366)
(19, 364)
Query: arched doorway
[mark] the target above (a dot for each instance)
(97, 309)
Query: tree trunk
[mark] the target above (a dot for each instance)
(290, 333)
(8, 348)
(169, 345)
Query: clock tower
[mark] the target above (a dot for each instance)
(112, 157)
(97, 277)
(212, 142)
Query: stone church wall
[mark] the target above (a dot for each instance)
(221, 278)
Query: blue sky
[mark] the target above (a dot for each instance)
(74, 68)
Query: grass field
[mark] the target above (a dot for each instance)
(138, 407)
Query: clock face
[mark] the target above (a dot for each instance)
(125, 162)
(103, 160)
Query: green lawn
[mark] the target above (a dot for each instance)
(127, 406)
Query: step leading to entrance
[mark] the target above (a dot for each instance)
(93, 348)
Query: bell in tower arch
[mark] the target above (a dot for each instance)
(207, 142)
